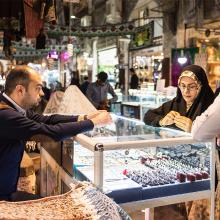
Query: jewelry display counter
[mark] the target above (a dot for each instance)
(140, 166)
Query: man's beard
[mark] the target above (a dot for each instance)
(27, 104)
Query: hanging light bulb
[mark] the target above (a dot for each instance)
(182, 59)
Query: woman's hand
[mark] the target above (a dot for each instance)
(169, 118)
(183, 123)
(102, 118)
(94, 114)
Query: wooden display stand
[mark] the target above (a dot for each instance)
(27, 177)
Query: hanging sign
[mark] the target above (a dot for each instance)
(143, 37)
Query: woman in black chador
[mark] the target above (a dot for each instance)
(194, 95)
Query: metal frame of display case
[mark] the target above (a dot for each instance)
(98, 149)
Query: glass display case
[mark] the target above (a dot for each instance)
(143, 166)
(115, 107)
(138, 103)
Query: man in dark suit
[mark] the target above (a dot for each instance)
(23, 90)
(134, 82)
(84, 85)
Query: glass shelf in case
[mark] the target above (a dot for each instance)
(136, 105)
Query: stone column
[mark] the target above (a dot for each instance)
(95, 58)
(124, 61)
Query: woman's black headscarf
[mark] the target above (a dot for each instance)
(202, 101)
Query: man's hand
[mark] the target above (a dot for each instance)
(183, 123)
(169, 118)
(102, 118)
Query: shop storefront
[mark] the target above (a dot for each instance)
(107, 62)
(148, 63)
(146, 52)
(209, 59)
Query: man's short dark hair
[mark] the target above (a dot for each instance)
(20, 75)
(102, 76)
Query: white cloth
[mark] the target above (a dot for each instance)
(207, 125)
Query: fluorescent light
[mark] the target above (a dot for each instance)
(72, 16)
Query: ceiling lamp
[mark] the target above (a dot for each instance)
(182, 59)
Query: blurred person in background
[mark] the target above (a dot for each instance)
(75, 78)
(97, 92)
(52, 88)
(41, 40)
(134, 81)
(46, 91)
(84, 85)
